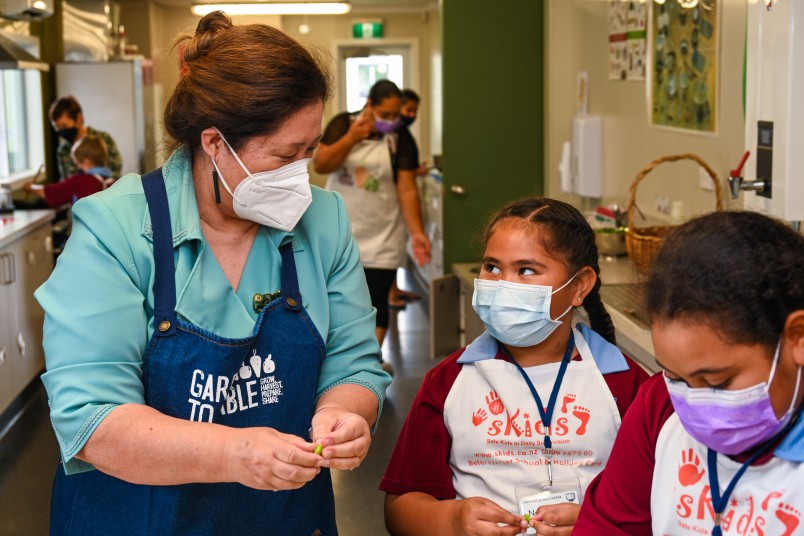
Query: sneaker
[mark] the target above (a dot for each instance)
(387, 367)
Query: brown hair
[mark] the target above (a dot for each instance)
(568, 237)
(65, 105)
(91, 148)
(245, 80)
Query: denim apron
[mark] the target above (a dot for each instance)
(268, 379)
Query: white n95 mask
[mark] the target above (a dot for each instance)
(514, 313)
(276, 198)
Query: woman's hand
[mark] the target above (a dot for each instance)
(421, 248)
(263, 458)
(556, 519)
(346, 437)
(477, 516)
(361, 128)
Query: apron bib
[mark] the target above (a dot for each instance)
(268, 380)
(497, 434)
(366, 183)
(766, 500)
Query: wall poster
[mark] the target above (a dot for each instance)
(683, 65)
(628, 21)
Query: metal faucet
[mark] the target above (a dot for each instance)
(738, 183)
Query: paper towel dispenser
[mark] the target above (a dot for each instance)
(582, 160)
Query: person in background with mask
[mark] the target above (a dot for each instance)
(518, 423)
(397, 297)
(67, 119)
(372, 162)
(715, 444)
(208, 335)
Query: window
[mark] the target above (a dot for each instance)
(22, 140)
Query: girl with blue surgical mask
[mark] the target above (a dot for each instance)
(715, 444)
(519, 422)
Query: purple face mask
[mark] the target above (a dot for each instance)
(730, 422)
(384, 126)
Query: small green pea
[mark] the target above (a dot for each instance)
(319, 449)
(527, 517)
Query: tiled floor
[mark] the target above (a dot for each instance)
(28, 452)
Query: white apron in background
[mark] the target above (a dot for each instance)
(497, 437)
(768, 499)
(366, 183)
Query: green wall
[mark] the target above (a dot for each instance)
(493, 136)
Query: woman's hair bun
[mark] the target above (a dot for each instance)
(214, 22)
(208, 29)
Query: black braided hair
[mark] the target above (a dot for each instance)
(740, 273)
(569, 238)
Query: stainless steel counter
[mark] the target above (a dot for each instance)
(621, 294)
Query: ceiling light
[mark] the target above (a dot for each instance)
(275, 8)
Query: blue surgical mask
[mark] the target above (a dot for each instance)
(516, 314)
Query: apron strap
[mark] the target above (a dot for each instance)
(291, 297)
(164, 278)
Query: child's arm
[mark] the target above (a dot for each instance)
(420, 514)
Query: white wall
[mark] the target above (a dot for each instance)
(577, 36)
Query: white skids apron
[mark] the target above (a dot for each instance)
(768, 500)
(366, 183)
(497, 434)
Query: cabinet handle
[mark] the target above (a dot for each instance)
(2, 356)
(6, 269)
(21, 345)
(11, 268)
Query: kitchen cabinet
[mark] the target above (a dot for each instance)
(453, 321)
(26, 260)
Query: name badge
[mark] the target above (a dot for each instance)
(531, 496)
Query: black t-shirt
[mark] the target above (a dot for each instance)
(407, 153)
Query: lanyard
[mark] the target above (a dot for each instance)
(719, 501)
(546, 413)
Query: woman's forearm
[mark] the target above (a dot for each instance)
(329, 158)
(409, 201)
(138, 444)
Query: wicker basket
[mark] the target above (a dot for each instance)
(643, 243)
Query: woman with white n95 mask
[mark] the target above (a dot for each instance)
(209, 335)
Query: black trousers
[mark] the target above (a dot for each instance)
(379, 282)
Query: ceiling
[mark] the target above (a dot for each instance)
(356, 4)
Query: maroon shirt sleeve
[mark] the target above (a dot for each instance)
(420, 461)
(625, 385)
(617, 501)
(76, 186)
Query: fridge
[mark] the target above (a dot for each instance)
(112, 99)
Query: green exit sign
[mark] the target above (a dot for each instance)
(366, 29)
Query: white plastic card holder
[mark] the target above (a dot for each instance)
(531, 496)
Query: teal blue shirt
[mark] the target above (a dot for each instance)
(99, 300)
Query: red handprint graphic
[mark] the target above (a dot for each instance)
(690, 471)
(494, 403)
(479, 416)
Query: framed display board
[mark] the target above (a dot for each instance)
(683, 46)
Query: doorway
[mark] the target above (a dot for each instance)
(362, 63)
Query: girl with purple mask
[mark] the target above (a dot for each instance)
(715, 444)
